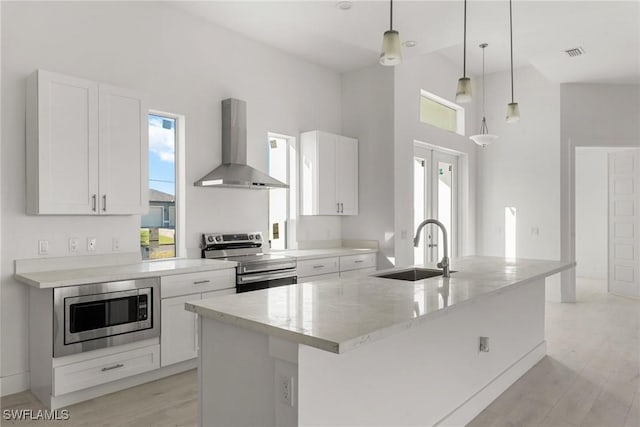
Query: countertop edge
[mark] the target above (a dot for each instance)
(92, 277)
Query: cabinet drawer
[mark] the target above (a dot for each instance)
(307, 279)
(357, 273)
(196, 283)
(93, 372)
(314, 267)
(356, 262)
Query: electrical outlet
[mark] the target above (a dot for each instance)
(115, 244)
(43, 247)
(91, 243)
(74, 243)
(285, 386)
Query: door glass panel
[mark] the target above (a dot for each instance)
(419, 203)
(445, 203)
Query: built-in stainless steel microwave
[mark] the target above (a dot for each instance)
(88, 317)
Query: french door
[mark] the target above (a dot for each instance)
(435, 190)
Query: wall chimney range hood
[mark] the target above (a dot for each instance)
(234, 171)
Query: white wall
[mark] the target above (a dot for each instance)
(185, 66)
(437, 75)
(592, 115)
(367, 105)
(591, 212)
(522, 168)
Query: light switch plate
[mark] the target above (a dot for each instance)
(74, 244)
(43, 247)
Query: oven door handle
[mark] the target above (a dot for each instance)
(271, 266)
(262, 277)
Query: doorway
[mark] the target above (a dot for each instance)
(606, 218)
(435, 195)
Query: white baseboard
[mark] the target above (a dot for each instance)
(466, 412)
(14, 383)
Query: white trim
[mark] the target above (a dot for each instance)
(16, 383)
(458, 109)
(475, 404)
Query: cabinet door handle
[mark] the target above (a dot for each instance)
(359, 261)
(338, 207)
(341, 207)
(94, 202)
(318, 266)
(201, 282)
(104, 202)
(119, 365)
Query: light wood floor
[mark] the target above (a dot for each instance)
(591, 378)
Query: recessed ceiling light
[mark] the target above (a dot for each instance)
(576, 51)
(344, 5)
(410, 43)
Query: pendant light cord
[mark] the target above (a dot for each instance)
(391, 15)
(483, 85)
(464, 53)
(511, 40)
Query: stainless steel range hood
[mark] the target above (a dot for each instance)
(234, 171)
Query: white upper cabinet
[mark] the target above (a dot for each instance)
(329, 165)
(86, 147)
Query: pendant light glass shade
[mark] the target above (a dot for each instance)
(391, 53)
(513, 110)
(484, 138)
(463, 94)
(391, 48)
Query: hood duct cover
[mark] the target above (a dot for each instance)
(234, 171)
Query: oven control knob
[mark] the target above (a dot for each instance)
(250, 236)
(218, 238)
(258, 237)
(210, 239)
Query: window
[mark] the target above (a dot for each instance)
(159, 227)
(441, 113)
(282, 201)
(510, 232)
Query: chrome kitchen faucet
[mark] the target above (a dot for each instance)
(444, 264)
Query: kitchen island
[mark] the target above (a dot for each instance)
(371, 350)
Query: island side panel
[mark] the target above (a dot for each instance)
(236, 376)
(430, 373)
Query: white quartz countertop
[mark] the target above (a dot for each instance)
(339, 315)
(322, 253)
(111, 273)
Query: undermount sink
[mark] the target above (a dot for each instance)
(413, 274)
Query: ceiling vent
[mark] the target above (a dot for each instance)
(577, 51)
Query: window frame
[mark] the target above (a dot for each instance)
(293, 198)
(180, 165)
(460, 122)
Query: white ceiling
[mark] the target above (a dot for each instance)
(609, 32)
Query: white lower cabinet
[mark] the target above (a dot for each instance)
(178, 330)
(178, 327)
(336, 267)
(101, 370)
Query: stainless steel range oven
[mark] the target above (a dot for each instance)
(256, 270)
(88, 317)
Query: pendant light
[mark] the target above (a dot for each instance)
(391, 51)
(513, 110)
(463, 94)
(484, 138)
